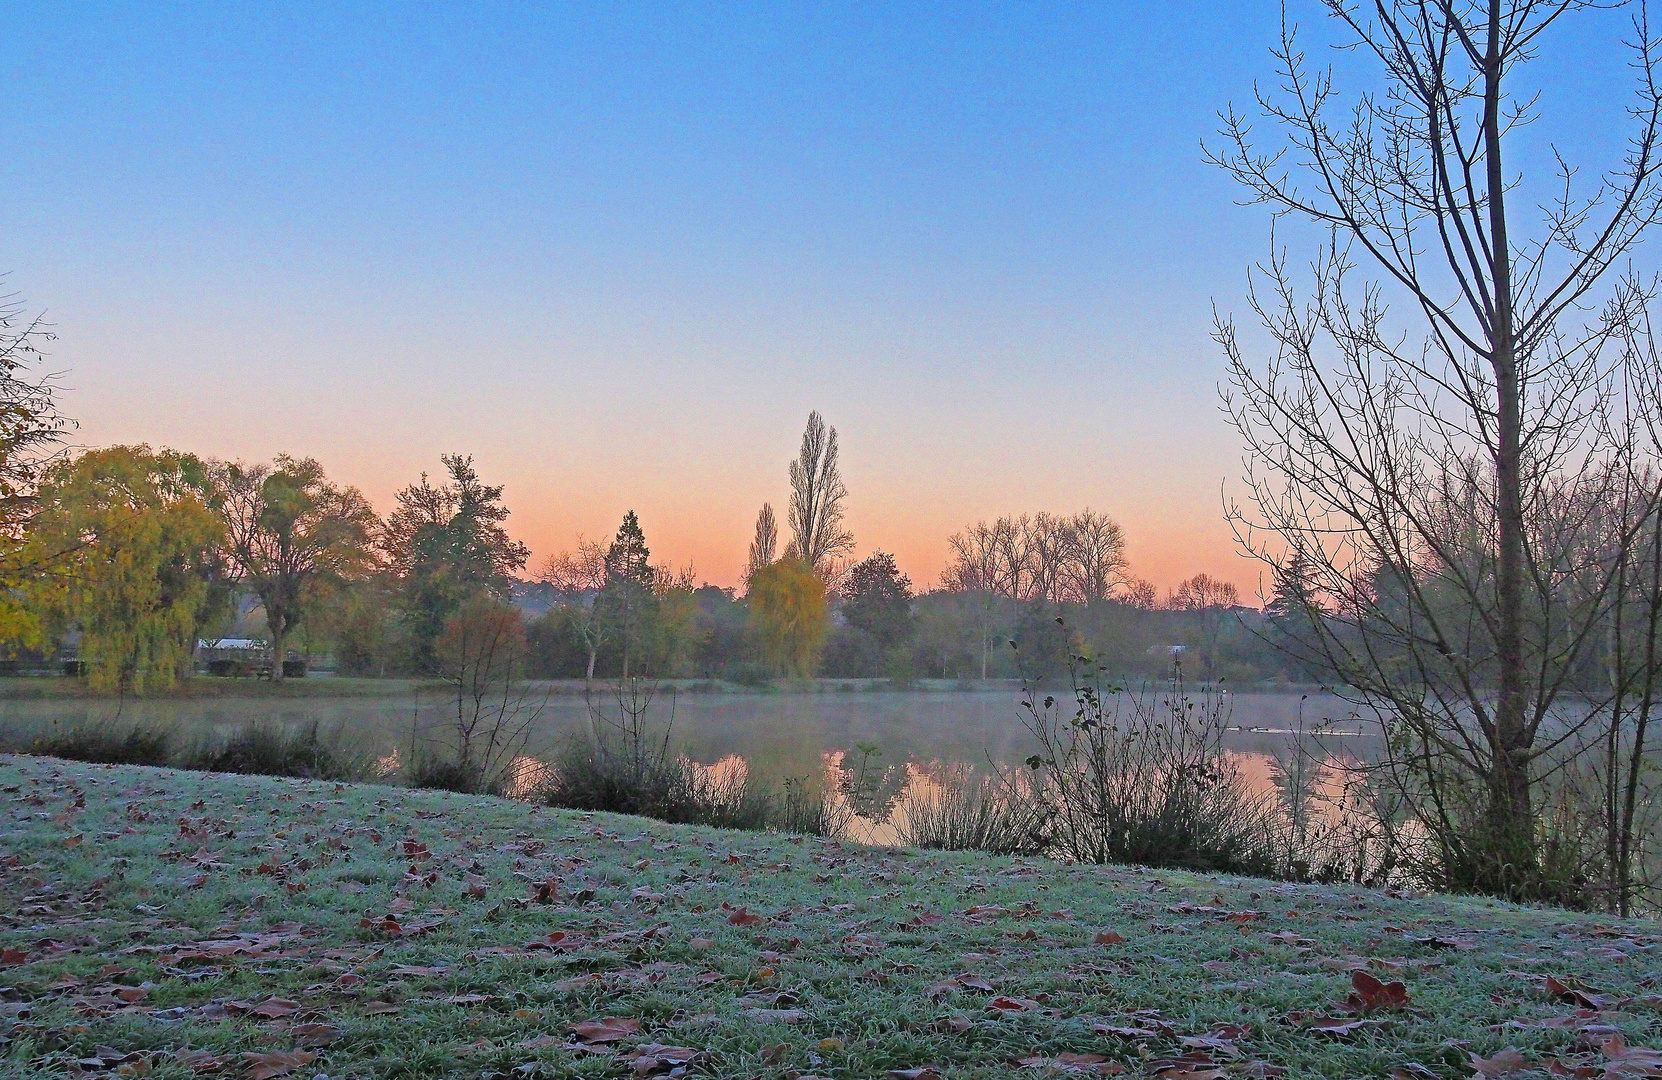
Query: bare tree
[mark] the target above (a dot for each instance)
(31, 427)
(1201, 592)
(482, 657)
(1049, 545)
(581, 574)
(974, 571)
(1432, 468)
(817, 493)
(1096, 565)
(765, 543)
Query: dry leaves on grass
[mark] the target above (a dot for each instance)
(1630, 1061)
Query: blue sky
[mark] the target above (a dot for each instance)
(618, 251)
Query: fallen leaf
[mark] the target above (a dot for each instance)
(1630, 1061)
(274, 1007)
(1585, 997)
(655, 1057)
(1371, 995)
(743, 917)
(279, 1063)
(609, 1030)
(314, 1034)
(1107, 937)
(1342, 1025)
(1505, 1063)
(1013, 1004)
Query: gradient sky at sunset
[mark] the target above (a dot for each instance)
(618, 251)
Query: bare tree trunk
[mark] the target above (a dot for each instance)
(278, 635)
(1511, 817)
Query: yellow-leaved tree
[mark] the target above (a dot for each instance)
(788, 615)
(134, 550)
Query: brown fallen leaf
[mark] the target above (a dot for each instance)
(1370, 995)
(1630, 1061)
(1195, 1065)
(1504, 1063)
(1575, 994)
(742, 917)
(609, 1030)
(314, 1034)
(926, 1072)
(1076, 1063)
(278, 1063)
(1343, 1025)
(655, 1057)
(275, 1007)
(1107, 937)
(1013, 1004)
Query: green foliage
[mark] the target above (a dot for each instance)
(626, 605)
(446, 543)
(629, 559)
(293, 535)
(877, 598)
(133, 547)
(788, 616)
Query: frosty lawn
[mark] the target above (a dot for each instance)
(170, 924)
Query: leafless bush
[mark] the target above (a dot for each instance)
(1142, 777)
(482, 657)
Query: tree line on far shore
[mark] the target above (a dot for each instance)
(134, 554)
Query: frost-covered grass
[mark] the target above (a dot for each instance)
(175, 924)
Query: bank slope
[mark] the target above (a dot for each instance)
(166, 923)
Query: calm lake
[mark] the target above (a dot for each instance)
(772, 736)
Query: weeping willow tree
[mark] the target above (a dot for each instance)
(1451, 442)
(788, 615)
(133, 548)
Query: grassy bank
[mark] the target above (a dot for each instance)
(174, 924)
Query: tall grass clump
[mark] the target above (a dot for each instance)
(999, 814)
(265, 749)
(623, 764)
(1142, 777)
